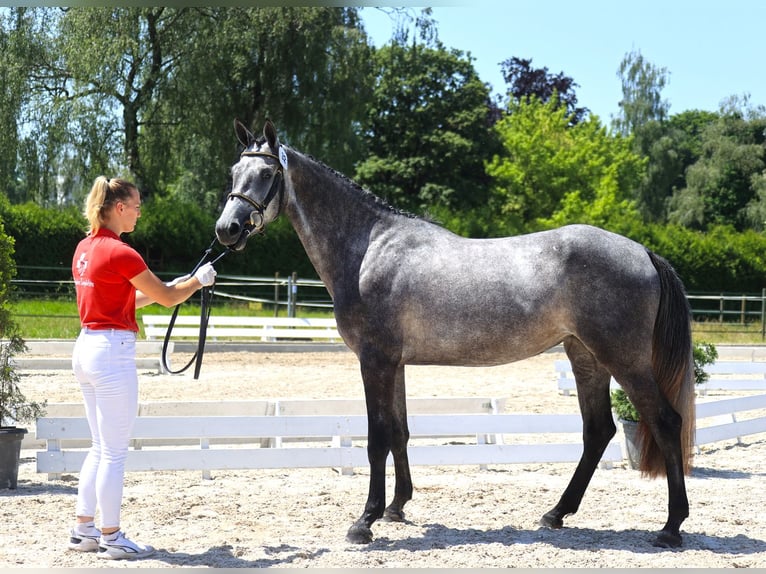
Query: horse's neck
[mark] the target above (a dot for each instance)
(332, 218)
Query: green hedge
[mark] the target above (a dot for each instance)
(720, 260)
(43, 237)
(172, 236)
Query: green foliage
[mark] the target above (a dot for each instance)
(14, 407)
(704, 354)
(43, 237)
(720, 260)
(308, 69)
(526, 82)
(725, 185)
(642, 85)
(172, 234)
(150, 92)
(154, 90)
(661, 144)
(552, 173)
(425, 132)
(7, 273)
(622, 406)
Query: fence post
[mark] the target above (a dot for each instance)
(276, 294)
(720, 309)
(742, 308)
(293, 287)
(763, 314)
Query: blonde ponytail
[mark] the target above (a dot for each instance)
(103, 195)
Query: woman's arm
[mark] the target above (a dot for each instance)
(151, 289)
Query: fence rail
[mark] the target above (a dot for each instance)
(291, 292)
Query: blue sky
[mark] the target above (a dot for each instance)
(712, 50)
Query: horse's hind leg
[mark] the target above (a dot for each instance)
(598, 428)
(400, 437)
(665, 425)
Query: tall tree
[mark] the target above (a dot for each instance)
(671, 147)
(121, 60)
(307, 69)
(151, 92)
(524, 82)
(11, 96)
(642, 85)
(426, 131)
(26, 158)
(724, 185)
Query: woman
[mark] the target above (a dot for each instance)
(112, 280)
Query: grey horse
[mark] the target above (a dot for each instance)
(406, 291)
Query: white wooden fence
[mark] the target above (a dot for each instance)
(729, 420)
(253, 328)
(345, 432)
(724, 376)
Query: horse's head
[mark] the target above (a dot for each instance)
(257, 187)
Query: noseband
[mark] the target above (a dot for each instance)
(260, 208)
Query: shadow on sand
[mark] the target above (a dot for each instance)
(570, 538)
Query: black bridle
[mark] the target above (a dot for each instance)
(206, 293)
(206, 297)
(260, 208)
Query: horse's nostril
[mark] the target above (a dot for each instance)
(228, 232)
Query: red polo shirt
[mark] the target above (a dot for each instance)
(102, 267)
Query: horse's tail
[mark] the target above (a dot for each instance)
(672, 366)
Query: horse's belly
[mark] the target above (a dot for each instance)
(477, 347)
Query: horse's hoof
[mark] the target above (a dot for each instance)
(359, 534)
(550, 520)
(667, 540)
(393, 515)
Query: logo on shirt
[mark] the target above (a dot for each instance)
(82, 264)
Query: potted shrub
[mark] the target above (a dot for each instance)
(14, 408)
(704, 354)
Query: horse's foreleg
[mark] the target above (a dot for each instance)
(400, 437)
(378, 377)
(598, 429)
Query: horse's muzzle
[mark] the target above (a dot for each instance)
(234, 235)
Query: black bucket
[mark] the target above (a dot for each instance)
(10, 455)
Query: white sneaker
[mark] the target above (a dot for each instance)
(117, 547)
(84, 539)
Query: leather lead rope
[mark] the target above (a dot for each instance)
(206, 297)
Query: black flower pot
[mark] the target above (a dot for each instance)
(632, 443)
(10, 455)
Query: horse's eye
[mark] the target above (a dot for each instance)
(266, 174)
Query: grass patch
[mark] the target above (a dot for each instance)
(58, 319)
(728, 333)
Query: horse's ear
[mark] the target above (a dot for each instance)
(243, 134)
(270, 133)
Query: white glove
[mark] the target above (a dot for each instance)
(178, 280)
(205, 275)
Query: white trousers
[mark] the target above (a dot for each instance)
(104, 363)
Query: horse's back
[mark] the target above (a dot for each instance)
(446, 299)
